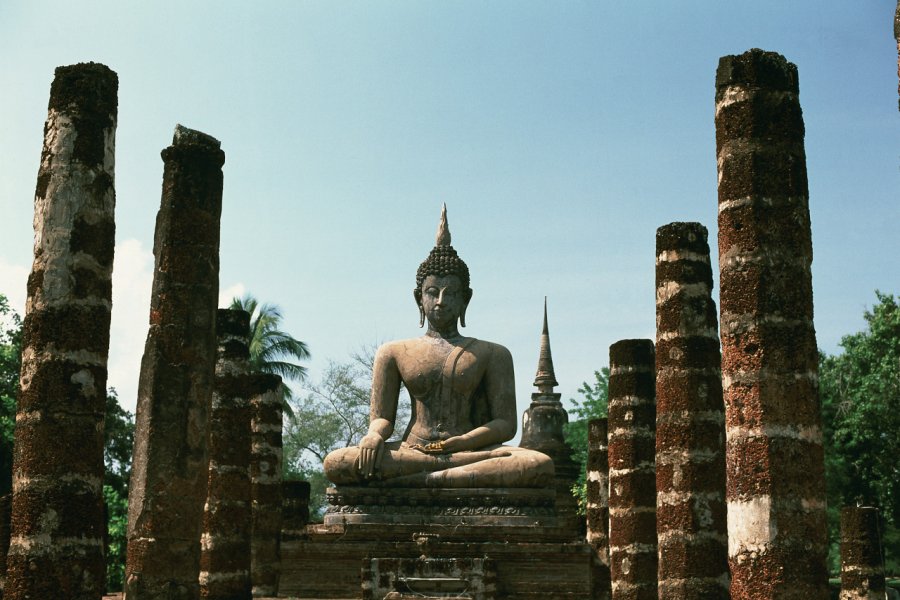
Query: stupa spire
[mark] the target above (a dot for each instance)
(545, 380)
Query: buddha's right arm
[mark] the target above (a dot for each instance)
(385, 393)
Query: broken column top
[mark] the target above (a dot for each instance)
(85, 87)
(184, 136)
(756, 68)
(232, 321)
(630, 352)
(682, 236)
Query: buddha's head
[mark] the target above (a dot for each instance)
(442, 282)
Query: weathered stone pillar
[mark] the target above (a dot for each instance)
(169, 470)
(774, 458)
(598, 506)
(690, 421)
(632, 470)
(265, 484)
(862, 564)
(5, 514)
(56, 548)
(542, 430)
(295, 506)
(225, 543)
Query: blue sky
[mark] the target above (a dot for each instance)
(560, 135)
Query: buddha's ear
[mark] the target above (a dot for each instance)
(417, 294)
(467, 294)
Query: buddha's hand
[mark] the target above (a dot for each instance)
(371, 448)
(457, 443)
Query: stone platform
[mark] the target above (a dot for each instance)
(470, 506)
(529, 562)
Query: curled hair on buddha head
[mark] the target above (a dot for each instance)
(442, 260)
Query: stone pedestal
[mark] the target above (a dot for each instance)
(426, 578)
(532, 562)
(469, 506)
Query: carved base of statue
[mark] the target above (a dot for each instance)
(461, 506)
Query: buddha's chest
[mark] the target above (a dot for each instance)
(443, 369)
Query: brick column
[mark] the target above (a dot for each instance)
(5, 514)
(632, 470)
(690, 421)
(169, 469)
(265, 486)
(598, 505)
(56, 545)
(862, 565)
(225, 543)
(774, 458)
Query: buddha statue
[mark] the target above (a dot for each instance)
(462, 392)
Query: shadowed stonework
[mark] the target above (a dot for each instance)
(690, 421)
(265, 483)
(225, 544)
(57, 527)
(598, 505)
(632, 467)
(862, 565)
(774, 458)
(169, 470)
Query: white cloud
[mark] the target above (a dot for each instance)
(13, 282)
(236, 290)
(132, 281)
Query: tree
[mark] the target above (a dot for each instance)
(10, 365)
(117, 449)
(593, 406)
(271, 349)
(332, 414)
(860, 392)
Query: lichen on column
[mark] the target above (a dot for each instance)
(775, 485)
(169, 469)
(57, 525)
(690, 421)
(632, 468)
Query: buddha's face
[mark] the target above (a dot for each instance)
(443, 300)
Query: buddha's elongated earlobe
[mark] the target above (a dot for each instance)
(462, 317)
(467, 294)
(417, 294)
(421, 317)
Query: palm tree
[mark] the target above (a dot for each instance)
(271, 349)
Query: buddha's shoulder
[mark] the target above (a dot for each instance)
(416, 345)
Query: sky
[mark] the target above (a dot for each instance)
(560, 135)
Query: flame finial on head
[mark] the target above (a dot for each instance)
(442, 238)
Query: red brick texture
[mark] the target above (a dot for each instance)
(632, 482)
(775, 487)
(690, 421)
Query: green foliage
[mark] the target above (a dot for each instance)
(860, 391)
(10, 364)
(334, 413)
(117, 449)
(271, 349)
(117, 524)
(593, 406)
